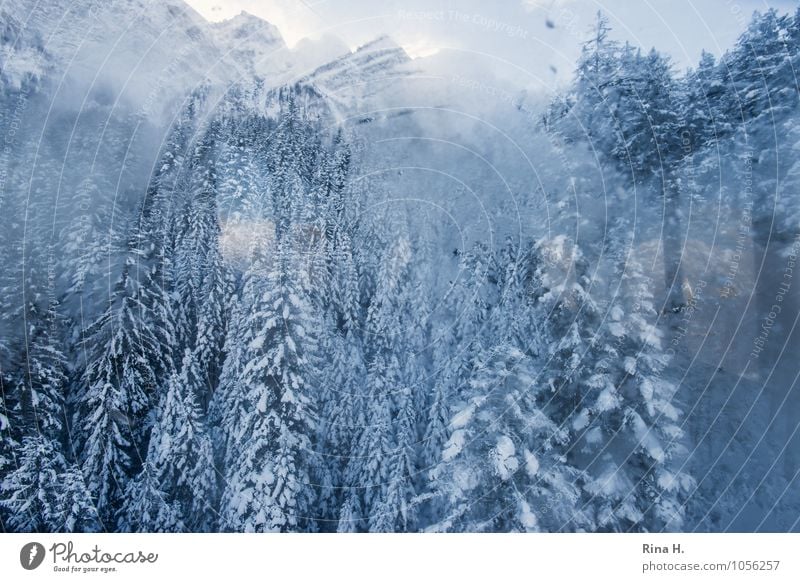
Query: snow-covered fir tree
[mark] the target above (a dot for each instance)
(268, 485)
(45, 493)
(180, 459)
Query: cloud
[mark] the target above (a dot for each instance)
(534, 5)
(537, 36)
(296, 20)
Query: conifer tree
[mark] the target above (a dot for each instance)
(268, 481)
(146, 507)
(115, 391)
(179, 456)
(44, 493)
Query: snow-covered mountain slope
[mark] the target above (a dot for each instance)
(253, 45)
(149, 54)
(355, 80)
(446, 113)
(254, 48)
(311, 53)
(145, 57)
(143, 54)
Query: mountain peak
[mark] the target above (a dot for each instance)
(252, 45)
(246, 26)
(381, 43)
(245, 16)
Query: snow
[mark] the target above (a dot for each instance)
(298, 397)
(503, 459)
(607, 400)
(531, 463)
(667, 481)
(22, 64)
(646, 438)
(258, 342)
(261, 406)
(465, 479)
(646, 388)
(253, 45)
(594, 436)
(611, 482)
(581, 420)
(462, 418)
(617, 329)
(148, 52)
(527, 518)
(454, 445)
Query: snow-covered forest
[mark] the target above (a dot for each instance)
(335, 292)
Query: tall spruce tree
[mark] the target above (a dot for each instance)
(268, 481)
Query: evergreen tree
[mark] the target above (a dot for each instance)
(627, 107)
(115, 390)
(44, 493)
(341, 419)
(503, 469)
(382, 469)
(179, 456)
(84, 243)
(198, 234)
(42, 402)
(610, 394)
(228, 404)
(367, 476)
(212, 323)
(146, 508)
(7, 444)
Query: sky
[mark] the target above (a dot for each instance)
(540, 38)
